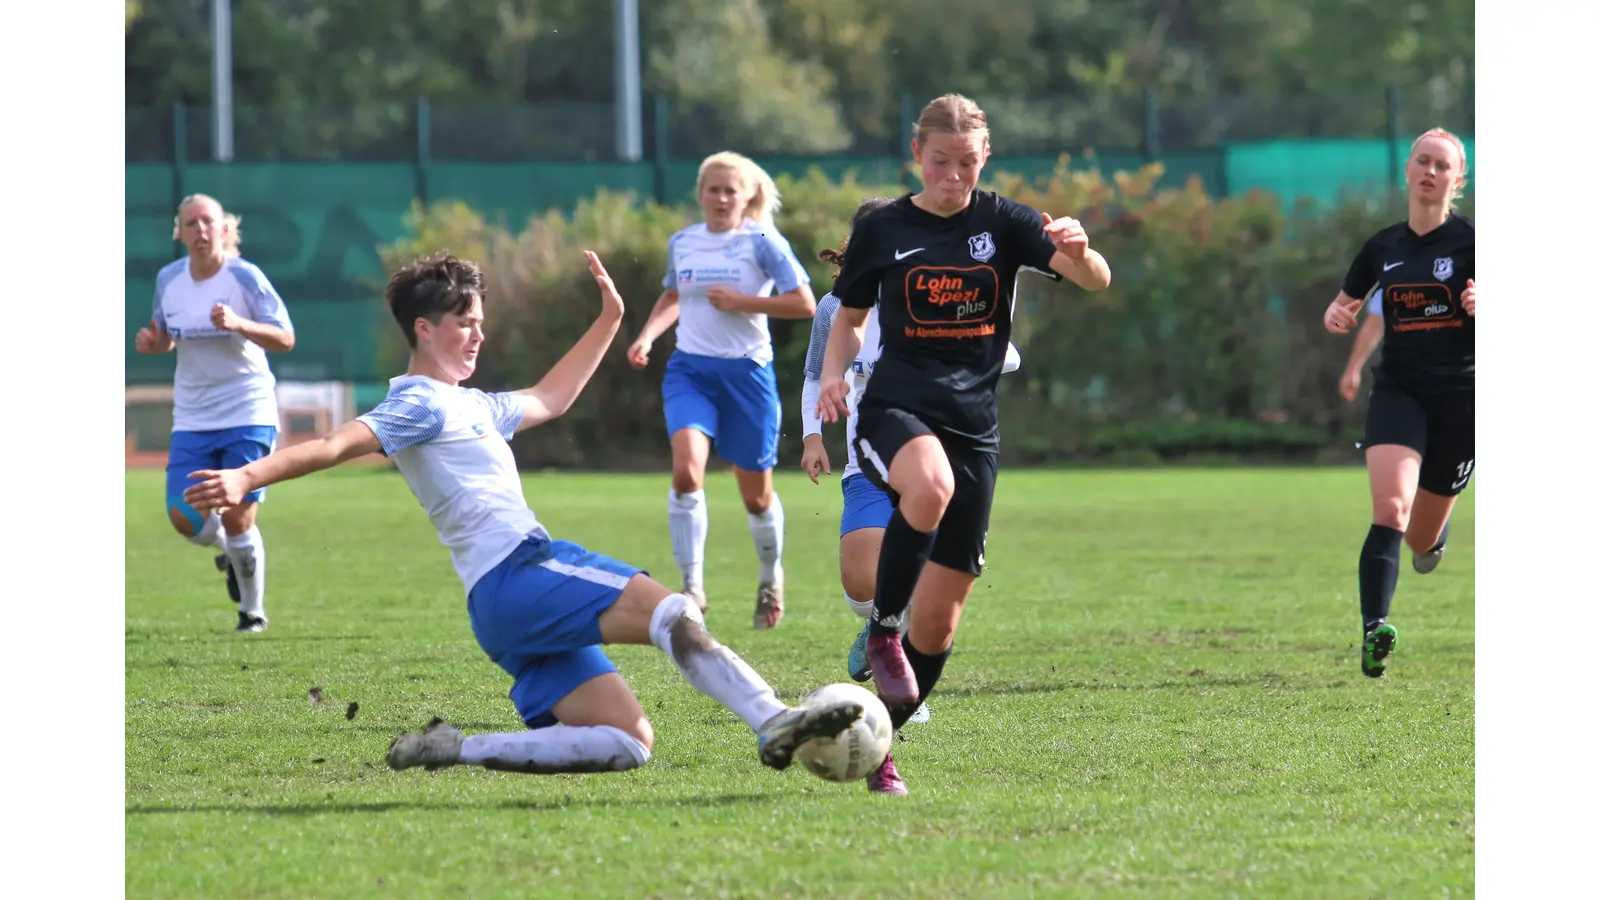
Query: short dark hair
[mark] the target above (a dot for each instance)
(432, 287)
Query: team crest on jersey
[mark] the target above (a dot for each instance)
(1443, 268)
(685, 276)
(982, 246)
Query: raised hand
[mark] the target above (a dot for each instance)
(610, 301)
(1068, 236)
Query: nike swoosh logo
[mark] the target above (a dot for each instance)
(898, 255)
(1388, 266)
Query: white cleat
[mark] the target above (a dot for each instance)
(769, 605)
(921, 716)
(780, 735)
(437, 747)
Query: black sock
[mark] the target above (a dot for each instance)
(1444, 534)
(900, 558)
(928, 669)
(1380, 570)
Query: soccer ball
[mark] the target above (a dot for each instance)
(857, 751)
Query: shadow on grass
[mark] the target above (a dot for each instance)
(1067, 687)
(317, 809)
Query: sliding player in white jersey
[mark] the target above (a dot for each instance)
(540, 608)
(222, 316)
(725, 277)
(866, 508)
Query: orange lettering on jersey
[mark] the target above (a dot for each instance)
(947, 295)
(1424, 307)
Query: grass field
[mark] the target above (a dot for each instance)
(1155, 692)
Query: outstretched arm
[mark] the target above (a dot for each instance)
(556, 391)
(220, 488)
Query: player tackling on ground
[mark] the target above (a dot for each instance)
(941, 266)
(540, 607)
(1420, 426)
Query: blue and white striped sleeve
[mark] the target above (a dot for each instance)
(821, 327)
(506, 407)
(409, 416)
(265, 305)
(777, 259)
(811, 387)
(163, 278)
(670, 281)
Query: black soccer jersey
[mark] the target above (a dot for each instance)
(1428, 337)
(944, 288)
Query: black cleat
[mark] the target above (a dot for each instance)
(251, 622)
(223, 565)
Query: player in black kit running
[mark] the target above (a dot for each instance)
(942, 266)
(1419, 434)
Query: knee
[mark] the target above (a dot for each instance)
(861, 587)
(758, 503)
(642, 732)
(1391, 512)
(239, 519)
(925, 498)
(859, 580)
(186, 520)
(677, 627)
(687, 477)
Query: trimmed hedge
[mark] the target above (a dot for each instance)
(1208, 344)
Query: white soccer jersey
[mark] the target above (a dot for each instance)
(856, 376)
(752, 259)
(222, 379)
(451, 444)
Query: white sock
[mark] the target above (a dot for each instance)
(767, 530)
(249, 558)
(688, 522)
(679, 631)
(862, 608)
(555, 750)
(210, 533)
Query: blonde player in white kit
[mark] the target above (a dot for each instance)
(540, 608)
(725, 276)
(222, 316)
(866, 508)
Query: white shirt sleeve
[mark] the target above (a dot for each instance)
(810, 422)
(407, 417)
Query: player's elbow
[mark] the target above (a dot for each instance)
(285, 342)
(807, 305)
(1095, 278)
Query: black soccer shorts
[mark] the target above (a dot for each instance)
(963, 532)
(1438, 426)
